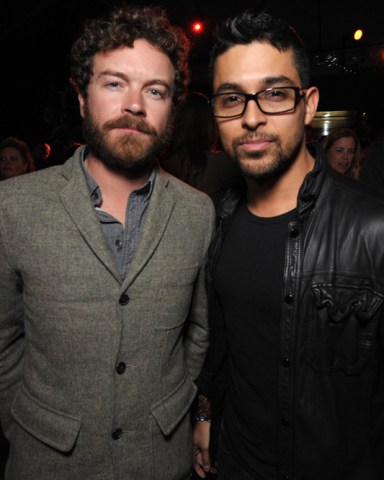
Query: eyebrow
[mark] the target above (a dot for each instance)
(268, 82)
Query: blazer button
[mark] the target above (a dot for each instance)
(289, 299)
(120, 368)
(124, 299)
(285, 422)
(285, 361)
(117, 433)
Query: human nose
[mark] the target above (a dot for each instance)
(252, 115)
(133, 103)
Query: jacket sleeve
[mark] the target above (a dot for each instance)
(11, 332)
(197, 334)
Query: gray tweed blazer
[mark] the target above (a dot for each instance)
(97, 373)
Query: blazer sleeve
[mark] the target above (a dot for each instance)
(11, 331)
(197, 335)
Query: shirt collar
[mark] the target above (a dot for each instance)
(94, 189)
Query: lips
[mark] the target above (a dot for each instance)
(128, 129)
(254, 142)
(255, 145)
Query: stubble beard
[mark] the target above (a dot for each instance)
(265, 166)
(130, 155)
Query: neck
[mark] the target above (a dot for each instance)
(115, 187)
(279, 196)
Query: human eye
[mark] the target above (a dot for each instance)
(157, 93)
(277, 94)
(231, 100)
(339, 149)
(113, 85)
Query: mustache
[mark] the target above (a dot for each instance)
(124, 122)
(253, 137)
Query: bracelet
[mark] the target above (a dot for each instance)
(202, 419)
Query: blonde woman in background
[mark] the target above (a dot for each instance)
(342, 150)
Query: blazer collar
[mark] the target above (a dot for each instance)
(76, 201)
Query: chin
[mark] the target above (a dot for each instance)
(253, 166)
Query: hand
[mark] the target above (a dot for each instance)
(201, 459)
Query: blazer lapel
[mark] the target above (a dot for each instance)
(159, 211)
(76, 201)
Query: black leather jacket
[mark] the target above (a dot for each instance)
(331, 375)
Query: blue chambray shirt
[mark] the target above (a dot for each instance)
(122, 241)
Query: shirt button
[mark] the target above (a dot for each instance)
(285, 477)
(285, 361)
(118, 243)
(294, 232)
(120, 368)
(285, 422)
(124, 299)
(289, 298)
(117, 433)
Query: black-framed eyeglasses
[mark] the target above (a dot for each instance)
(272, 101)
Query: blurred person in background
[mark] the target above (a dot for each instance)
(41, 152)
(15, 158)
(342, 149)
(372, 168)
(193, 154)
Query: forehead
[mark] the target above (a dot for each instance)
(251, 65)
(10, 151)
(142, 60)
(344, 142)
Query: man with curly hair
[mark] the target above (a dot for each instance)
(103, 321)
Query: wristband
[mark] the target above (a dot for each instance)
(200, 418)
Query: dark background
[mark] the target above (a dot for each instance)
(36, 36)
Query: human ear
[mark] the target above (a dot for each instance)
(312, 97)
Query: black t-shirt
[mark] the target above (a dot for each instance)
(249, 282)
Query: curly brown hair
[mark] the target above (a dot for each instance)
(121, 27)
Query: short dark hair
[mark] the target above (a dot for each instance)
(121, 27)
(251, 27)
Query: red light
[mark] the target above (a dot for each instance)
(197, 27)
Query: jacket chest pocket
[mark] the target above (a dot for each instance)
(342, 327)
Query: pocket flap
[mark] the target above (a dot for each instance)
(172, 409)
(56, 429)
(340, 301)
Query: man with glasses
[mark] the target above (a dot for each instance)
(293, 382)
